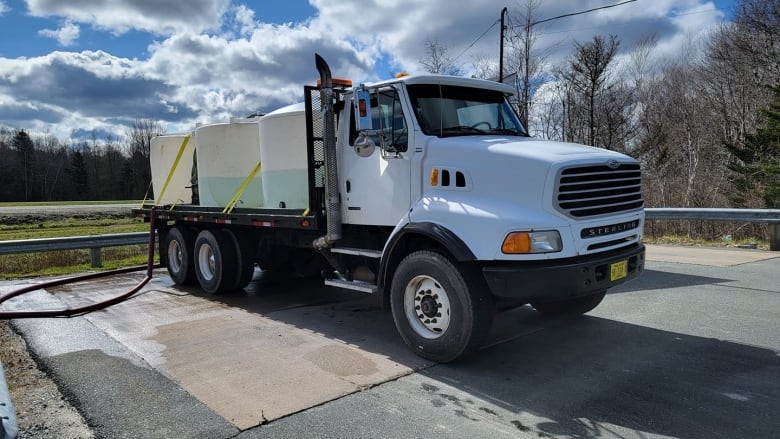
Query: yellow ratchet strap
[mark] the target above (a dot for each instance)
(177, 200)
(175, 164)
(232, 203)
(305, 212)
(146, 195)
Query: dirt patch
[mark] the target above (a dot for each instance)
(41, 410)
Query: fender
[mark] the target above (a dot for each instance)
(449, 240)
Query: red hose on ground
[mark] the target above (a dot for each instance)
(68, 312)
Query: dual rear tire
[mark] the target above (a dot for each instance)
(217, 259)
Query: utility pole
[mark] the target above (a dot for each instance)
(501, 48)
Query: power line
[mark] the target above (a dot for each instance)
(580, 13)
(621, 24)
(538, 22)
(475, 41)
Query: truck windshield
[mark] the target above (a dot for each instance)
(447, 110)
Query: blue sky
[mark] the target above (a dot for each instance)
(69, 68)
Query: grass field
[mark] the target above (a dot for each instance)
(68, 261)
(64, 203)
(70, 227)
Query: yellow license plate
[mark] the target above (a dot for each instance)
(618, 270)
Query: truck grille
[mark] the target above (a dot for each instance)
(589, 191)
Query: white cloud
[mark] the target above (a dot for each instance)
(214, 59)
(66, 36)
(119, 16)
(3, 8)
(245, 18)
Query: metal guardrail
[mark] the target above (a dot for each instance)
(94, 243)
(771, 216)
(768, 216)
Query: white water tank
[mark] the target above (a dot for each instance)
(227, 154)
(285, 159)
(163, 151)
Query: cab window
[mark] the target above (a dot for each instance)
(388, 121)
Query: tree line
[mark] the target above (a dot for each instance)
(44, 168)
(705, 124)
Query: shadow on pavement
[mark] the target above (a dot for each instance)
(586, 372)
(582, 374)
(660, 280)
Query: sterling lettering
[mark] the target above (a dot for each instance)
(593, 232)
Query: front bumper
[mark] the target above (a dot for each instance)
(562, 279)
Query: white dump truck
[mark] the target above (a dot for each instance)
(424, 189)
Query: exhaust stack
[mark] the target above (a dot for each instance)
(332, 200)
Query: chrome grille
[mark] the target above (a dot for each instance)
(596, 190)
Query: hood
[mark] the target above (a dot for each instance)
(514, 168)
(528, 148)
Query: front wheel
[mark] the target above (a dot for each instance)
(570, 307)
(441, 312)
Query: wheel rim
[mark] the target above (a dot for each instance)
(175, 258)
(427, 307)
(206, 262)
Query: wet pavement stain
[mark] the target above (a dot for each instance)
(429, 388)
(341, 361)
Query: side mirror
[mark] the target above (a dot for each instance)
(363, 119)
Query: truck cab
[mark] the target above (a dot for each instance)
(446, 162)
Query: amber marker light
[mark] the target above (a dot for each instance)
(517, 242)
(540, 241)
(434, 177)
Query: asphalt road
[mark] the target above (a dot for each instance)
(691, 349)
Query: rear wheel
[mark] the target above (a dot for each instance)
(215, 261)
(177, 254)
(245, 258)
(441, 312)
(572, 307)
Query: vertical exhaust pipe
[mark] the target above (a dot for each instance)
(332, 197)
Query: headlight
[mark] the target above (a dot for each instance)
(546, 241)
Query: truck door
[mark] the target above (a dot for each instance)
(375, 180)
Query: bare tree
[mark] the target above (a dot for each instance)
(139, 139)
(522, 60)
(588, 73)
(437, 59)
(140, 134)
(758, 36)
(483, 67)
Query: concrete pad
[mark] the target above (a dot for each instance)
(712, 256)
(248, 361)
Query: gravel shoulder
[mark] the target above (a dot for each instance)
(41, 410)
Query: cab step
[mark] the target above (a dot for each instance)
(367, 252)
(356, 285)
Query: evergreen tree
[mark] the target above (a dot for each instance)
(79, 175)
(25, 173)
(756, 170)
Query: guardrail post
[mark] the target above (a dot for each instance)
(774, 237)
(96, 257)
